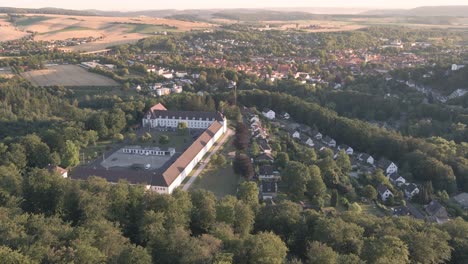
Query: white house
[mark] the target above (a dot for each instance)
(397, 179)
(309, 142)
(366, 158)
(456, 67)
(330, 142)
(296, 134)
(168, 75)
(268, 113)
(384, 192)
(387, 166)
(411, 190)
(349, 150)
(317, 135)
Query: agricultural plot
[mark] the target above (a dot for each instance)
(68, 76)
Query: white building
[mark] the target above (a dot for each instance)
(384, 192)
(165, 182)
(387, 166)
(268, 113)
(366, 158)
(158, 116)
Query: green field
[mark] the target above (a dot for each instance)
(220, 181)
(148, 29)
(70, 28)
(28, 21)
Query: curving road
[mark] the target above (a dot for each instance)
(205, 161)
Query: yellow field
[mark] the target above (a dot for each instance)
(113, 30)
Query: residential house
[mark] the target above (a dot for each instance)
(411, 190)
(181, 74)
(268, 113)
(384, 192)
(59, 170)
(265, 158)
(308, 141)
(317, 135)
(268, 190)
(163, 91)
(364, 157)
(349, 150)
(267, 172)
(285, 115)
(330, 142)
(387, 166)
(296, 134)
(396, 179)
(177, 89)
(462, 200)
(401, 211)
(436, 212)
(264, 146)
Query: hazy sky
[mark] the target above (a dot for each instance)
(199, 4)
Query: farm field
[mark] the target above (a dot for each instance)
(67, 75)
(109, 30)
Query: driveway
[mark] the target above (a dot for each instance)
(204, 162)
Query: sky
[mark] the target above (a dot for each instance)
(131, 5)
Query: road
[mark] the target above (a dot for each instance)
(204, 162)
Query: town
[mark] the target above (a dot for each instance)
(233, 136)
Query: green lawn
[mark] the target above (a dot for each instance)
(220, 181)
(92, 152)
(177, 141)
(70, 28)
(28, 21)
(148, 29)
(372, 209)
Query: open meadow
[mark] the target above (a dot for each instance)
(67, 75)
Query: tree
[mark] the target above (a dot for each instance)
(134, 254)
(182, 128)
(43, 192)
(316, 187)
(10, 256)
(71, 155)
(241, 138)
(242, 165)
(369, 192)
(387, 249)
(204, 211)
(248, 193)
(343, 162)
(319, 253)
(254, 149)
(296, 176)
(10, 180)
(164, 139)
(244, 219)
(282, 159)
(265, 248)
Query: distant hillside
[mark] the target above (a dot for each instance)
(47, 10)
(459, 11)
(263, 15)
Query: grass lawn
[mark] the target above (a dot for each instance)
(179, 142)
(91, 152)
(28, 21)
(372, 209)
(220, 181)
(149, 29)
(70, 28)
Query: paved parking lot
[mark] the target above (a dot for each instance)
(120, 159)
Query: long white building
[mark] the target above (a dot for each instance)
(170, 177)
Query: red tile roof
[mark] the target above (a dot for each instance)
(171, 174)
